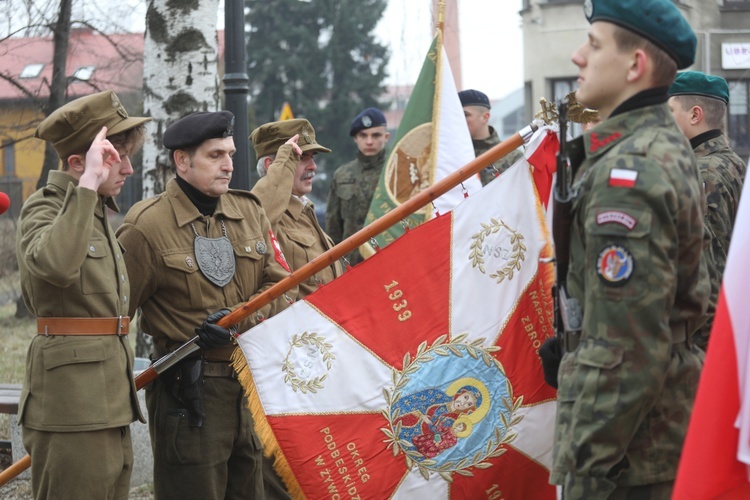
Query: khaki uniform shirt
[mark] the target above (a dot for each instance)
(167, 284)
(626, 392)
(350, 197)
(71, 266)
(294, 223)
(483, 145)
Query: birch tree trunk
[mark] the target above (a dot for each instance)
(180, 75)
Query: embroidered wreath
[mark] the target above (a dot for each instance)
(514, 263)
(291, 377)
(493, 448)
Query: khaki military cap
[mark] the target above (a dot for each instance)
(72, 127)
(268, 138)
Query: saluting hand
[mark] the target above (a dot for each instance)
(293, 141)
(100, 158)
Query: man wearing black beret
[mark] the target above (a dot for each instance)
(354, 183)
(194, 252)
(484, 137)
(698, 103)
(636, 275)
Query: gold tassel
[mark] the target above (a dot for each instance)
(271, 447)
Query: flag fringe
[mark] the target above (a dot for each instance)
(271, 448)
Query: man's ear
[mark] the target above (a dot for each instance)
(181, 160)
(77, 163)
(696, 115)
(267, 162)
(638, 65)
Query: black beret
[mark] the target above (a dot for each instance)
(471, 97)
(658, 21)
(697, 83)
(195, 128)
(371, 117)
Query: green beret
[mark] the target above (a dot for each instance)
(268, 138)
(697, 83)
(658, 21)
(193, 129)
(72, 128)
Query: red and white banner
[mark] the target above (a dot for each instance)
(416, 374)
(716, 454)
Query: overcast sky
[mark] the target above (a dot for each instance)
(490, 38)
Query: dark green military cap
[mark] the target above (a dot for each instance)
(658, 21)
(268, 138)
(72, 128)
(697, 83)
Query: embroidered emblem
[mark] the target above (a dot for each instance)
(498, 242)
(280, 258)
(597, 143)
(588, 8)
(307, 362)
(189, 261)
(615, 265)
(454, 423)
(407, 170)
(261, 247)
(366, 121)
(616, 217)
(620, 177)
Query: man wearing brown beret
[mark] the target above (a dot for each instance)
(286, 163)
(200, 249)
(78, 396)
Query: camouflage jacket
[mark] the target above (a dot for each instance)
(722, 171)
(349, 199)
(626, 391)
(501, 165)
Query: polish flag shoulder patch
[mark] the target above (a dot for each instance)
(620, 177)
(278, 253)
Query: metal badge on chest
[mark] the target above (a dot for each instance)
(215, 256)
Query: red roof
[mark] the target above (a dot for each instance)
(117, 61)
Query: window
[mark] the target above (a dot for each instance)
(84, 73)
(32, 70)
(561, 88)
(9, 159)
(738, 119)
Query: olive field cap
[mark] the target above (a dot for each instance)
(658, 21)
(371, 117)
(697, 83)
(72, 128)
(193, 129)
(268, 138)
(471, 97)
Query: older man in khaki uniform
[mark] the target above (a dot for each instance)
(78, 397)
(285, 152)
(196, 249)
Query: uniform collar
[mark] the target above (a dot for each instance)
(490, 141)
(704, 137)
(185, 211)
(369, 162)
(62, 180)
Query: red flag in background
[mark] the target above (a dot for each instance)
(416, 374)
(716, 454)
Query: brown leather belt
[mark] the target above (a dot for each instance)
(218, 369)
(83, 326)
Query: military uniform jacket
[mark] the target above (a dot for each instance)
(167, 284)
(71, 266)
(626, 392)
(350, 197)
(483, 145)
(293, 221)
(722, 172)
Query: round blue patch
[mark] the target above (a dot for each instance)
(614, 265)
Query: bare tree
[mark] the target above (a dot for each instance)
(180, 75)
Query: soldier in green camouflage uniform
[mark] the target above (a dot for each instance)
(354, 183)
(698, 103)
(484, 137)
(628, 378)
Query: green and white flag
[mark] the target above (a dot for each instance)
(432, 141)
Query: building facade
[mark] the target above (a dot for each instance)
(554, 29)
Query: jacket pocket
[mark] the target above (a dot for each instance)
(183, 279)
(97, 272)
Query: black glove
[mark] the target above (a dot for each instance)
(551, 354)
(212, 335)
